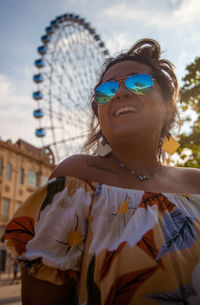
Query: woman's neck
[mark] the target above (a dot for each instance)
(142, 160)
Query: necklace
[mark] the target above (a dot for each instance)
(140, 177)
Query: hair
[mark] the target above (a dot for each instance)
(146, 51)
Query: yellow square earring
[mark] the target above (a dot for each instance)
(170, 145)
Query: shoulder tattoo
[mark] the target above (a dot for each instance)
(93, 164)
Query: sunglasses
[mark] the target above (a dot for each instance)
(139, 84)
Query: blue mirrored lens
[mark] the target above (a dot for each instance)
(139, 84)
(105, 92)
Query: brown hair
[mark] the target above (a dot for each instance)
(146, 51)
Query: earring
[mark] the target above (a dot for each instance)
(170, 145)
(103, 148)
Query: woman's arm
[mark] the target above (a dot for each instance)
(38, 292)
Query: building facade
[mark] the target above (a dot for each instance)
(23, 167)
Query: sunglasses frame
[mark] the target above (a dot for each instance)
(119, 81)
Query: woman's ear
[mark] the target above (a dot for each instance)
(169, 110)
(167, 118)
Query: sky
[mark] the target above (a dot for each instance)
(175, 24)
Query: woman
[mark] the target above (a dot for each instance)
(117, 227)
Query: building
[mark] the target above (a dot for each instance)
(23, 167)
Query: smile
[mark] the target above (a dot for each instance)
(125, 110)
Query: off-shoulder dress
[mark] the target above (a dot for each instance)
(121, 246)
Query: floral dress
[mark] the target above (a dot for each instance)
(121, 246)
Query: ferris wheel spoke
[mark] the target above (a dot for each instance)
(73, 115)
(67, 140)
(74, 69)
(62, 101)
(70, 79)
(69, 97)
(69, 119)
(71, 60)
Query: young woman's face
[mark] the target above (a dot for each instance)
(129, 114)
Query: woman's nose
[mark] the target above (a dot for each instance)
(122, 91)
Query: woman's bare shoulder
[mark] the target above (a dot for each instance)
(189, 178)
(79, 166)
(189, 172)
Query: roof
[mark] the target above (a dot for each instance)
(31, 150)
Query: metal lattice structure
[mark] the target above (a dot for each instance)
(71, 58)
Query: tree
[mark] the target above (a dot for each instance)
(189, 151)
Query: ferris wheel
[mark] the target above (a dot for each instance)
(72, 54)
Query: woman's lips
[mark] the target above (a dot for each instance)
(125, 110)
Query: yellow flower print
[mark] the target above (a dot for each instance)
(74, 238)
(123, 209)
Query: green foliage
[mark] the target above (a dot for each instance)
(190, 100)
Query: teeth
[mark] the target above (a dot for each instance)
(124, 109)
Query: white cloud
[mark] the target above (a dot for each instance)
(179, 63)
(175, 1)
(4, 85)
(16, 112)
(120, 42)
(188, 12)
(124, 11)
(185, 13)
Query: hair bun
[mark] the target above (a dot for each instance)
(146, 47)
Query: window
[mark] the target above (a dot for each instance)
(32, 178)
(8, 171)
(21, 176)
(1, 166)
(6, 205)
(44, 179)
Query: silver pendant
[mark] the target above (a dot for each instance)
(143, 177)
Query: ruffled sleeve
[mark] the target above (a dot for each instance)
(48, 232)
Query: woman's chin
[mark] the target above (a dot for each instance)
(124, 133)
